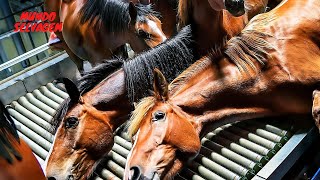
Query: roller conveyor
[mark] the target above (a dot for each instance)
(232, 151)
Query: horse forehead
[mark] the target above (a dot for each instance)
(76, 111)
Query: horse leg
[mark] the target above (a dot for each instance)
(316, 107)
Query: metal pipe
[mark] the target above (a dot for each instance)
(124, 143)
(188, 174)
(115, 168)
(204, 172)
(235, 147)
(228, 153)
(120, 150)
(40, 104)
(25, 103)
(36, 119)
(216, 168)
(31, 125)
(35, 147)
(57, 91)
(224, 162)
(33, 136)
(117, 158)
(108, 175)
(98, 178)
(44, 99)
(125, 136)
(50, 95)
(261, 132)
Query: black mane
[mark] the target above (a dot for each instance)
(171, 57)
(114, 14)
(7, 129)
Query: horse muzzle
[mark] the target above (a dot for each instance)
(235, 7)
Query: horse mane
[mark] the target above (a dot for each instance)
(138, 69)
(171, 57)
(7, 129)
(113, 14)
(184, 9)
(243, 50)
(139, 113)
(87, 82)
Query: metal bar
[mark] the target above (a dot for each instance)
(31, 125)
(57, 91)
(204, 172)
(45, 99)
(40, 104)
(119, 140)
(42, 153)
(36, 119)
(120, 150)
(24, 56)
(33, 136)
(108, 175)
(228, 153)
(25, 103)
(115, 168)
(117, 158)
(51, 95)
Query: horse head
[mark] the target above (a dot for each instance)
(165, 137)
(84, 136)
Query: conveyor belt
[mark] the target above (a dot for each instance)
(236, 151)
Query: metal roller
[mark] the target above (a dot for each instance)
(35, 147)
(124, 143)
(25, 103)
(228, 153)
(120, 150)
(238, 169)
(31, 125)
(57, 91)
(188, 174)
(117, 158)
(108, 175)
(125, 136)
(235, 147)
(33, 136)
(115, 168)
(268, 127)
(40, 104)
(261, 132)
(36, 119)
(204, 172)
(252, 137)
(45, 99)
(51, 95)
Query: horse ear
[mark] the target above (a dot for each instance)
(133, 13)
(72, 90)
(160, 85)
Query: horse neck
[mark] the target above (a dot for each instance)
(110, 96)
(222, 94)
(168, 13)
(212, 28)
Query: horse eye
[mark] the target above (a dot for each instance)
(144, 34)
(158, 115)
(71, 122)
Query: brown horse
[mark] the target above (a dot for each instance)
(16, 158)
(95, 30)
(86, 122)
(214, 23)
(270, 69)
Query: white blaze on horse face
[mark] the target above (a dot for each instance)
(156, 29)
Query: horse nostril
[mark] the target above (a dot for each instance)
(135, 172)
(51, 178)
(70, 177)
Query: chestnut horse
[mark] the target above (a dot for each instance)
(214, 23)
(270, 69)
(96, 29)
(100, 104)
(16, 158)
